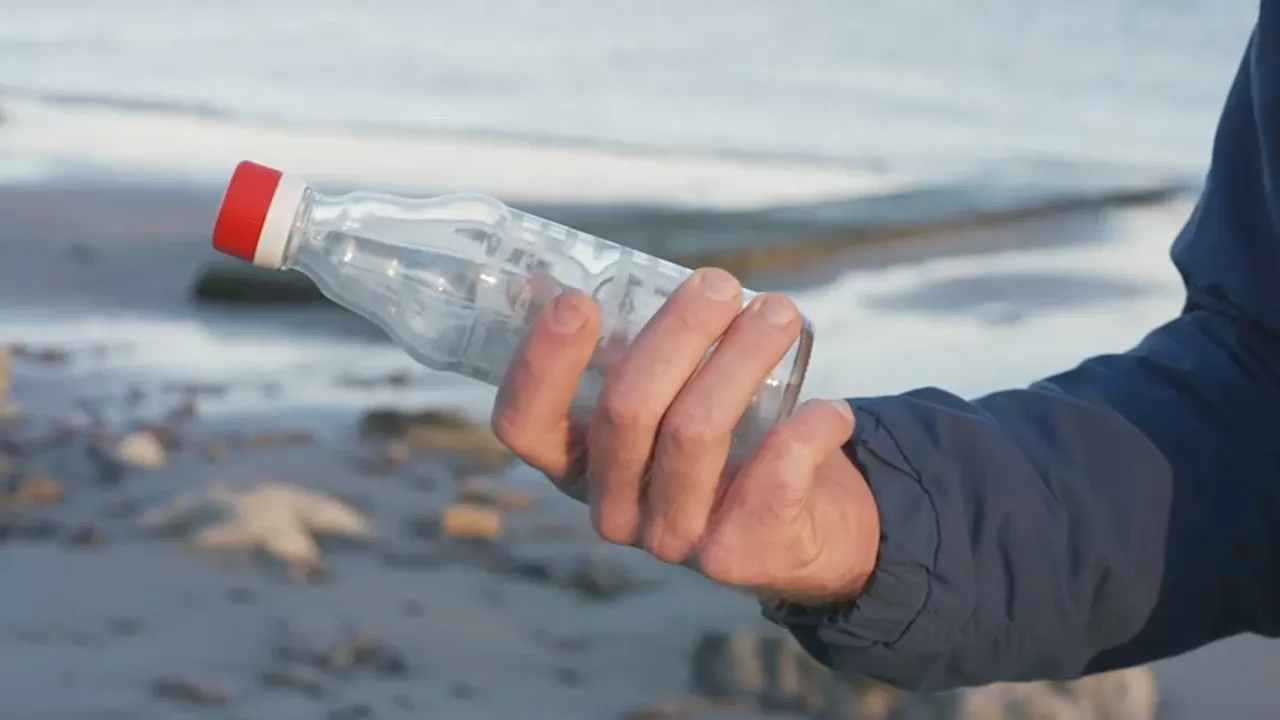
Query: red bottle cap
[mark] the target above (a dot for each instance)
(257, 214)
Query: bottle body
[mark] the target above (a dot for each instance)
(458, 280)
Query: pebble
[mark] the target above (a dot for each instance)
(142, 449)
(568, 676)
(478, 491)
(358, 711)
(473, 523)
(413, 608)
(38, 490)
(193, 692)
(336, 647)
(215, 451)
(462, 690)
(293, 676)
(86, 536)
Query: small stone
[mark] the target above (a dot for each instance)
(44, 356)
(472, 523)
(405, 701)
(568, 676)
(126, 626)
(675, 710)
(215, 451)
(597, 578)
(358, 711)
(477, 491)
(396, 454)
(193, 692)
(142, 449)
(86, 536)
(438, 431)
(286, 438)
(38, 490)
(462, 690)
(293, 676)
(727, 666)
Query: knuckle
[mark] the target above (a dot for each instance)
(622, 409)
(687, 431)
(667, 544)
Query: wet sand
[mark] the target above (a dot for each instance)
(87, 629)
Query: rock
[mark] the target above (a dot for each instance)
(772, 672)
(293, 676)
(228, 283)
(336, 648)
(597, 577)
(568, 676)
(215, 451)
(142, 449)
(358, 711)
(126, 626)
(438, 431)
(1128, 694)
(194, 692)
(44, 356)
(727, 666)
(86, 536)
(462, 690)
(472, 523)
(278, 439)
(34, 491)
(478, 491)
(8, 408)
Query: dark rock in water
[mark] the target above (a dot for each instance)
(593, 576)
(358, 711)
(336, 648)
(126, 626)
(727, 666)
(462, 690)
(86, 537)
(193, 692)
(293, 676)
(568, 676)
(231, 283)
(437, 431)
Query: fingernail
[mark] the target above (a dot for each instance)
(777, 309)
(843, 407)
(717, 284)
(566, 317)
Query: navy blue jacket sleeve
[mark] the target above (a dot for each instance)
(1120, 512)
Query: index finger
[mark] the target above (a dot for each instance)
(531, 413)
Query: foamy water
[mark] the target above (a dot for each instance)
(613, 101)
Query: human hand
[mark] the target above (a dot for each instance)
(796, 521)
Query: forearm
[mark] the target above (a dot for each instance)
(1108, 516)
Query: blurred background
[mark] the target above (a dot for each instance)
(962, 193)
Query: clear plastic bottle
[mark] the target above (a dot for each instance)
(458, 280)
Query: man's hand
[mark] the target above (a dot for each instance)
(796, 521)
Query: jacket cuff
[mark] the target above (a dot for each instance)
(891, 631)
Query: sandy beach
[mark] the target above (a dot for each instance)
(107, 615)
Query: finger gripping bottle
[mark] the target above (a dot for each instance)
(458, 280)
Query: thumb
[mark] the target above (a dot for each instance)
(756, 527)
(776, 482)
